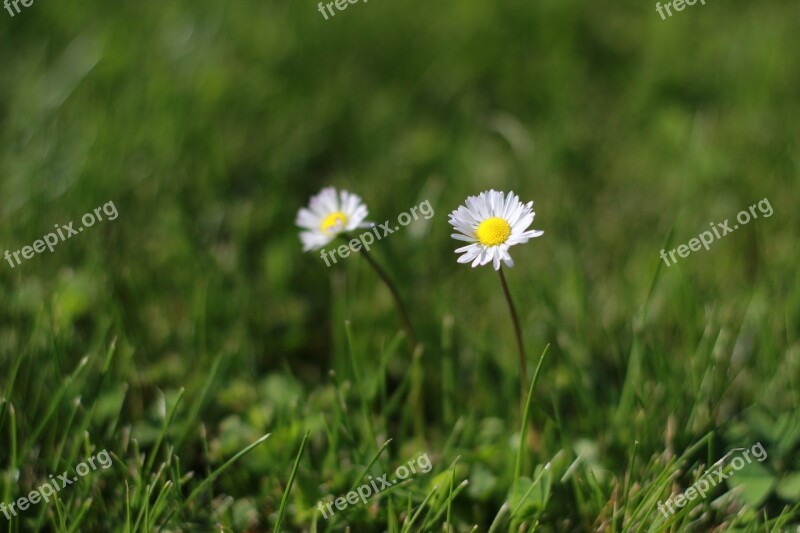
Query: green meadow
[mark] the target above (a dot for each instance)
(239, 384)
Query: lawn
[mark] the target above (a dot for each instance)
(172, 359)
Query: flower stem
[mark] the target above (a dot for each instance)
(411, 339)
(523, 372)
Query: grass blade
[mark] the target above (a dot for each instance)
(286, 492)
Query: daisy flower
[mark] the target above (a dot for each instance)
(492, 223)
(328, 215)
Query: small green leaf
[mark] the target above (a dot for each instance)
(789, 487)
(531, 496)
(753, 483)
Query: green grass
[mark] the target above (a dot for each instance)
(183, 333)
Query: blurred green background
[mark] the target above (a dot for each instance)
(210, 124)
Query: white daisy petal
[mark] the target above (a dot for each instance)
(525, 237)
(467, 248)
(307, 219)
(494, 208)
(325, 202)
(510, 197)
(460, 237)
(465, 216)
(523, 223)
(507, 259)
(471, 253)
(355, 218)
(517, 213)
(469, 232)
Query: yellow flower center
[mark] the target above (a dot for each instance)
(493, 231)
(333, 222)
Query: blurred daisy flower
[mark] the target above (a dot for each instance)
(492, 223)
(328, 214)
